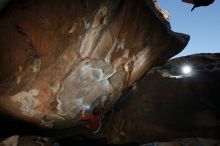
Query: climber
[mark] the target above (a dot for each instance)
(95, 118)
(198, 3)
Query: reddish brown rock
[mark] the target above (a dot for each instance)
(59, 58)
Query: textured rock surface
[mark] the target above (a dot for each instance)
(59, 58)
(43, 141)
(167, 104)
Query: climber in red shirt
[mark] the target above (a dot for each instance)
(94, 119)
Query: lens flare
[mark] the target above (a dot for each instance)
(186, 69)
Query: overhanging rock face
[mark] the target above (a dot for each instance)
(59, 58)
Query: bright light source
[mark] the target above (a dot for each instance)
(186, 69)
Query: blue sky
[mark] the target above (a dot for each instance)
(203, 25)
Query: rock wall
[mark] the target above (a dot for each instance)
(166, 104)
(59, 58)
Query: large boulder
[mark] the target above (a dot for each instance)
(61, 57)
(167, 104)
(162, 106)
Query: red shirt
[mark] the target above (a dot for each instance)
(94, 121)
